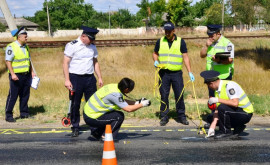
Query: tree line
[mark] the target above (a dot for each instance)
(71, 14)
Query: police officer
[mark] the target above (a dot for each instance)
(233, 106)
(80, 63)
(216, 43)
(20, 74)
(104, 107)
(171, 52)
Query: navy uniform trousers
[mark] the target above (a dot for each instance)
(230, 117)
(19, 88)
(97, 126)
(82, 84)
(174, 79)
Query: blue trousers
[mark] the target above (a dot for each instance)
(82, 84)
(19, 88)
(174, 79)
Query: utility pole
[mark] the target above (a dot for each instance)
(110, 19)
(8, 17)
(222, 21)
(49, 25)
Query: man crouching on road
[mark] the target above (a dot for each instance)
(104, 106)
(233, 105)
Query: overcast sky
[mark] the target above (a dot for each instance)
(21, 8)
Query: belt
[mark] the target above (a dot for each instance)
(82, 75)
(169, 71)
(23, 73)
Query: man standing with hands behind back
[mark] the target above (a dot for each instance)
(171, 51)
(80, 63)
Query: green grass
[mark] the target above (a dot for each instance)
(261, 104)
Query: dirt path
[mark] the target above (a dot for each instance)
(32, 123)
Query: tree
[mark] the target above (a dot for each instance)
(123, 19)
(244, 11)
(66, 14)
(200, 7)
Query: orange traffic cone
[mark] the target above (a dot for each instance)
(109, 156)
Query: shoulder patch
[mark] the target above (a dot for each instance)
(74, 42)
(9, 52)
(229, 48)
(232, 91)
(121, 99)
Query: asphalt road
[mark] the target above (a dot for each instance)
(136, 145)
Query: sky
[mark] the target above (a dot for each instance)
(21, 8)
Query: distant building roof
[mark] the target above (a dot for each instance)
(20, 21)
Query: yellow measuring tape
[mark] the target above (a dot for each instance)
(157, 84)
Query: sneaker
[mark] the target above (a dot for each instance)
(75, 132)
(163, 122)
(11, 120)
(224, 136)
(184, 121)
(239, 129)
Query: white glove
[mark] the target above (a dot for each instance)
(139, 101)
(211, 132)
(212, 100)
(146, 103)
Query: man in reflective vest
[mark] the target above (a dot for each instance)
(104, 107)
(20, 75)
(218, 43)
(233, 105)
(169, 54)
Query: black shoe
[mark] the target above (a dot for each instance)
(224, 136)
(184, 121)
(163, 122)
(11, 120)
(207, 126)
(24, 117)
(75, 132)
(238, 130)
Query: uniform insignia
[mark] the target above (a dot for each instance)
(74, 42)
(121, 99)
(9, 52)
(232, 91)
(229, 48)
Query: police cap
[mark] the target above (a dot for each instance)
(212, 29)
(209, 76)
(168, 26)
(20, 31)
(90, 32)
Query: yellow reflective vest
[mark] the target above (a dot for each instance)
(95, 107)
(171, 58)
(21, 61)
(223, 69)
(243, 100)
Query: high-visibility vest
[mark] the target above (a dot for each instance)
(243, 100)
(223, 69)
(21, 61)
(95, 107)
(171, 57)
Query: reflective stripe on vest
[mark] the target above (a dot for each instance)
(243, 100)
(171, 57)
(95, 107)
(21, 61)
(223, 69)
